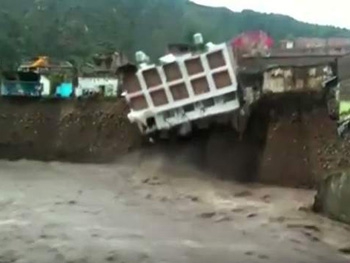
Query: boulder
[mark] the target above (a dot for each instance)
(333, 196)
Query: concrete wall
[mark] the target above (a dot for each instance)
(343, 66)
(333, 197)
(278, 80)
(46, 85)
(93, 84)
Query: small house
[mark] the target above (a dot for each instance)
(87, 86)
(281, 79)
(19, 83)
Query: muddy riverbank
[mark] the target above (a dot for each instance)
(290, 140)
(74, 131)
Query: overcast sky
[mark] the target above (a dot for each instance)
(325, 12)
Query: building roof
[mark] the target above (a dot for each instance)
(255, 65)
(51, 63)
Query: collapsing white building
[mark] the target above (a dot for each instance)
(183, 90)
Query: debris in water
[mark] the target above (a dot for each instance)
(263, 257)
(252, 215)
(207, 215)
(110, 258)
(245, 193)
(311, 237)
(223, 218)
(164, 199)
(345, 250)
(304, 209)
(266, 198)
(238, 210)
(193, 198)
(279, 219)
(295, 241)
(148, 196)
(305, 226)
(146, 181)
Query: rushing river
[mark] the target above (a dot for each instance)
(149, 208)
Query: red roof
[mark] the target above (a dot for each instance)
(252, 39)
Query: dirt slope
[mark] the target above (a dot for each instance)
(290, 139)
(88, 131)
(301, 142)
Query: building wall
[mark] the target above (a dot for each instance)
(252, 43)
(304, 42)
(92, 84)
(338, 42)
(333, 196)
(343, 68)
(311, 43)
(46, 85)
(287, 79)
(286, 44)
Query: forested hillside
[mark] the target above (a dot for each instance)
(75, 29)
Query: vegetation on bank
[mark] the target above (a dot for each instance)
(76, 29)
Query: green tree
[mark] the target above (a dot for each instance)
(79, 28)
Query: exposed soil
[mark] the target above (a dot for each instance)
(77, 131)
(301, 142)
(290, 140)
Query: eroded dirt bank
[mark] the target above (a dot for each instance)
(77, 131)
(290, 139)
(299, 136)
(301, 142)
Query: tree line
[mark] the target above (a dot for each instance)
(76, 29)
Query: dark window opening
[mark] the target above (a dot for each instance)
(151, 122)
(209, 103)
(169, 114)
(189, 108)
(229, 97)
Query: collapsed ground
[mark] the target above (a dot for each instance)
(75, 131)
(290, 140)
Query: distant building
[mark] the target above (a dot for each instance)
(307, 42)
(252, 43)
(45, 65)
(338, 42)
(281, 79)
(286, 44)
(343, 65)
(88, 86)
(21, 84)
(315, 43)
(109, 63)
